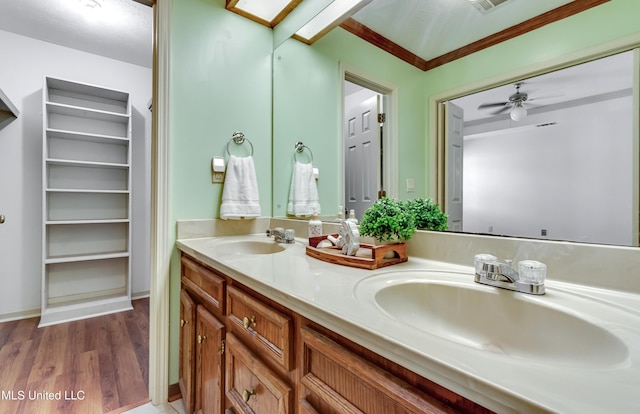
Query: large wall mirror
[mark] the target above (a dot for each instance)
(552, 157)
(583, 181)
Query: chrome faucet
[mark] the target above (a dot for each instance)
(282, 236)
(503, 275)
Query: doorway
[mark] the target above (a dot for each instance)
(368, 143)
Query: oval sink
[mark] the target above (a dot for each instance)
(249, 247)
(499, 321)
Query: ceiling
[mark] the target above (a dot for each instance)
(427, 28)
(120, 29)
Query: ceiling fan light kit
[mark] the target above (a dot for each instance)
(518, 113)
(515, 102)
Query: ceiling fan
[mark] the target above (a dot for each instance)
(515, 104)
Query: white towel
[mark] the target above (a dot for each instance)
(303, 194)
(240, 197)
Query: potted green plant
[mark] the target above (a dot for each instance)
(388, 220)
(427, 214)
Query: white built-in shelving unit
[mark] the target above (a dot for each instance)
(86, 201)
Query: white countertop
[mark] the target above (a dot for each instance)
(326, 294)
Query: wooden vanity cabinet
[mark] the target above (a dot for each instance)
(202, 338)
(249, 354)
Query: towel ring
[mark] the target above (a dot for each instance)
(238, 138)
(299, 147)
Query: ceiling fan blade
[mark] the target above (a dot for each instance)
(492, 105)
(501, 110)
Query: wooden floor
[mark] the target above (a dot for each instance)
(97, 365)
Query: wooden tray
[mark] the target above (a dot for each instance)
(368, 256)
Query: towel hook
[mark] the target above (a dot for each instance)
(238, 138)
(299, 147)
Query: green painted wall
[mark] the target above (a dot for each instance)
(220, 82)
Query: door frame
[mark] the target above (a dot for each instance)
(389, 94)
(161, 249)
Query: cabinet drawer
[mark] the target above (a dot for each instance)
(337, 381)
(205, 283)
(251, 386)
(266, 328)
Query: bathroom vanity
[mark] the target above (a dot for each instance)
(268, 329)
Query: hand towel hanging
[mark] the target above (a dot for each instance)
(303, 194)
(240, 196)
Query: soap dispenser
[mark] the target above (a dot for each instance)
(340, 214)
(315, 226)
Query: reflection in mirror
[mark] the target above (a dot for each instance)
(364, 119)
(308, 100)
(550, 157)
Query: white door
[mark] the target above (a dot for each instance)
(19, 253)
(454, 138)
(362, 153)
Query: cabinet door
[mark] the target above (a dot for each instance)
(209, 363)
(250, 385)
(187, 344)
(337, 381)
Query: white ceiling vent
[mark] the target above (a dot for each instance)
(485, 6)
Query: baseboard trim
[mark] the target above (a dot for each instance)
(25, 314)
(140, 295)
(174, 392)
(129, 407)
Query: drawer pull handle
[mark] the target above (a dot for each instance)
(201, 338)
(246, 394)
(249, 322)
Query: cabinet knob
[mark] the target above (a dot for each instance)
(183, 322)
(201, 338)
(2, 218)
(249, 322)
(246, 394)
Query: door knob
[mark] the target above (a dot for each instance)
(2, 218)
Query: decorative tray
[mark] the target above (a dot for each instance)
(368, 256)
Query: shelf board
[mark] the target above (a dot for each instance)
(72, 308)
(84, 191)
(86, 257)
(90, 164)
(86, 221)
(88, 113)
(82, 136)
(87, 89)
(8, 111)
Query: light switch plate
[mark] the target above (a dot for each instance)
(411, 185)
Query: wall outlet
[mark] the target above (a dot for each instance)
(217, 177)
